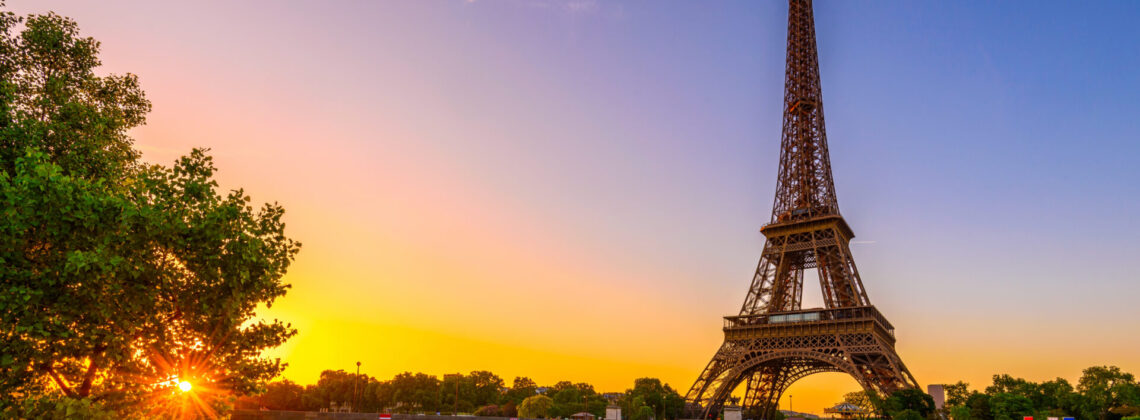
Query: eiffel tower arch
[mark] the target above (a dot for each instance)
(774, 342)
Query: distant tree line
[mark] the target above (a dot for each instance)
(481, 393)
(1102, 393)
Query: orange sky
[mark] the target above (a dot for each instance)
(574, 193)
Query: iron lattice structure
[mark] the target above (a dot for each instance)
(774, 342)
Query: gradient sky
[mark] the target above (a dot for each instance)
(572, 190)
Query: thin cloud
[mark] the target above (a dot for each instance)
(582, 6)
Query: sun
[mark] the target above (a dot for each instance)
(184, 386)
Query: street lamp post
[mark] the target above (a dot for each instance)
(457, 376)
(790, 406)
(355, 379)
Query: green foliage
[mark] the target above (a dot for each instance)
(570, 398)
(1057, 395)
(509, 409)
(663, 401)
(477, 389)
(115, 276)
(642, 413)
(56, 407)
(862, 399)
(1009, 406)
(54, 102)
(536, 407)
(482, 388)
(956, 394)
(490, 410)
(1105, 388)
(1010, 385)
(1126, 411)
(185, 267)
(343, 389)
(911, 400)
(979, 406)
(409, 392)
(1103, 393)
(521, 388)
(960, 412)
(480, 392)
(907, 414)
(283, 395)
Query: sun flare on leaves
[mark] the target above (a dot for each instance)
(189, 388)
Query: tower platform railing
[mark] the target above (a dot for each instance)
(814, 315)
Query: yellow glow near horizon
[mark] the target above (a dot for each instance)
(185, 386)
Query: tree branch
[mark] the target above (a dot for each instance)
(59, 381)
(92, 368)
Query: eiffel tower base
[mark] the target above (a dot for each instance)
(770, 352)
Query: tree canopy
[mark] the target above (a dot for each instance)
(1102, 393)
(536, 407)
(120, 278)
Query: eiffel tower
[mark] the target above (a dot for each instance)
(774, 342)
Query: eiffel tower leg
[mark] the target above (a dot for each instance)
(767, 384)
(765, 387)
(884, 371)
(702, 399)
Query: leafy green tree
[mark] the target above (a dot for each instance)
(185, 267)
(458, 393)
(1058, 397)
(663, 400)
(536, 407)
(956, 394)
(570, 398)
(960, 412)
(674, 404)
(346, 388)
(521, 388)
(490, 410)
(1126, 411)
(567, 400)
(909, 399)
(408, 393)
(1010, 385)
(861, 399)
(510, 409)
(485, 388)
(1009, 406)
(979, 405)
(907, 414)
(119, 278)
(282, 395)
(54, 102)
(1105, 388)
(642, 413)
(311, 400)
(57, 407)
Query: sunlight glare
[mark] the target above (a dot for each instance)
(184, 386)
